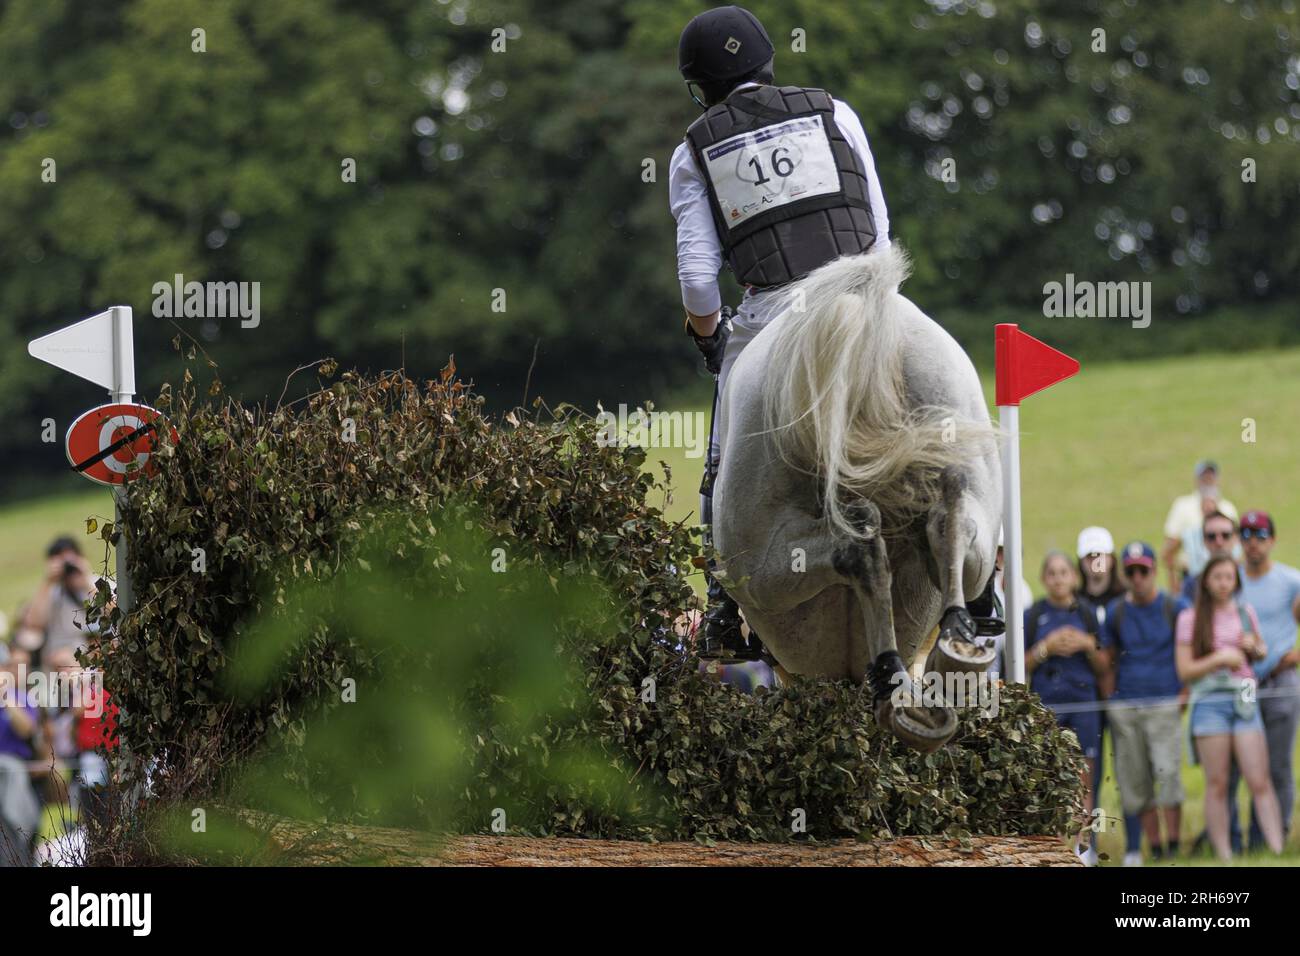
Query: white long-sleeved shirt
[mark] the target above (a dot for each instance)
(699, 250)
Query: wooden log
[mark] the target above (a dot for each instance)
(292, 842)
(911, 851)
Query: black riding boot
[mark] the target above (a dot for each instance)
(987, 612)
(720, 632)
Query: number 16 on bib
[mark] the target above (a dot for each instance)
(767, 168)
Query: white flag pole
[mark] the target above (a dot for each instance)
(123, 392)
(123, 388)
(1013, 647)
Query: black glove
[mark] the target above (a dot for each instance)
(713, 347)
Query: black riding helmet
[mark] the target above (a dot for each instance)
(721, 45)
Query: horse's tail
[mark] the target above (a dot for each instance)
(835, 397)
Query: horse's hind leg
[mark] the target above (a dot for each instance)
(961, 540)
(865, 564)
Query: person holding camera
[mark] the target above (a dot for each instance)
(56, 615)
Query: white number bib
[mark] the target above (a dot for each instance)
(771, 167)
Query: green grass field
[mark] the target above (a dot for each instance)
(1112, 446)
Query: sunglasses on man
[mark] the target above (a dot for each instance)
(1139, 569)
(1263, 534)
(1220, 535)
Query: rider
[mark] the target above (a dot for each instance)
(776, 181)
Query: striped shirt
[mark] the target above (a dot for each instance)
(1226, 629)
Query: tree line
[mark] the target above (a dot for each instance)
(404, 181)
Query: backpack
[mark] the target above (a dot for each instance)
(1170, 608)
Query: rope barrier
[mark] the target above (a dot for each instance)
(1142, 703)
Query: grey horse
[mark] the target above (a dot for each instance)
(858, 501)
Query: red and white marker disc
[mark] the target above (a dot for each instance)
(113, 444)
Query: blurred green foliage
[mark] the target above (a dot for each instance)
(522, 171)
(453, 640)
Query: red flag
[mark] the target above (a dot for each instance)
(1026, 365)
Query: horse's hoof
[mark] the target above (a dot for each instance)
(955, 651)
(921, 728)
(925, 729)
(955, 655)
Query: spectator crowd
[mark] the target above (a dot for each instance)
(1108, 647)
(56, 721)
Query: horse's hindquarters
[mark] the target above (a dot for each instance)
(815, 639)
(842, 405)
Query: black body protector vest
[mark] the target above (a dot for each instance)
(788, 191)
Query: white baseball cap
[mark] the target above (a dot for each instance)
(1095, 540)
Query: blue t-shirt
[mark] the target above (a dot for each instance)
(1272, 596)
(1144, 648)
(1059, 680)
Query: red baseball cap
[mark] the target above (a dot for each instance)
(1259, 520)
